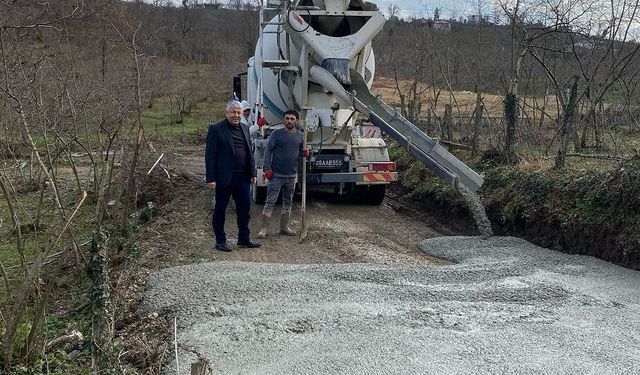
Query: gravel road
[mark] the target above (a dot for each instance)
(499, 306)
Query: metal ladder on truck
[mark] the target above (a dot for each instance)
(276, 10)
(272, 15)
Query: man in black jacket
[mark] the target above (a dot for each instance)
(230, 172)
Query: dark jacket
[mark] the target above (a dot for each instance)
(219, 154)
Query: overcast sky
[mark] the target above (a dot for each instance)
(424, 8)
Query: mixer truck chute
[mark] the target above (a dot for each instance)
(315, 56)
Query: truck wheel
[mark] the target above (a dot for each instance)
(259, 194)
(369, 194)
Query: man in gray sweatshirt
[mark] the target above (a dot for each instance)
(282, 154)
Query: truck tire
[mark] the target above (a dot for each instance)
(372, 195)
(259, 194)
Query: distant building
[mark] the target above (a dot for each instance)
(476, 19)
(442, 25)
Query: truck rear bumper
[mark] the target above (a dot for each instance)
(360, 178)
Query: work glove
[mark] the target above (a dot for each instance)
(268, 174)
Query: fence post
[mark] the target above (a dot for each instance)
(447, 122)
(476, 122)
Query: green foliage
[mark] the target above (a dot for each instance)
(421, 184)
(60, 320)
(134, 249)
(57, 363)
(148, 213)
(160, 119)
(624, 129)
(568, 198)
(131, 227)
(117, 239)
(396, 152)
(21, 336)
(592, 211)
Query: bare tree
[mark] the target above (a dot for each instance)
(58, 98)
(393, 11)
(23, 84)
(592, 64)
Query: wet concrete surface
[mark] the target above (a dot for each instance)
(503, 306)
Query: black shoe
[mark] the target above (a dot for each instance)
(223, 247)
(249, 244)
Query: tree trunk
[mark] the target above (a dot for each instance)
(511, 118)
(447, 123)
(598, 129)
(565, 129)
(129, 194)
(102, 320)
(576, 140)
(476, 121)
(585, 132)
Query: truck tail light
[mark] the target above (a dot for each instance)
(387, 166)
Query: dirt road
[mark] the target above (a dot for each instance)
(338, 232)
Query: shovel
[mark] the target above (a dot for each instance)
(305, 224)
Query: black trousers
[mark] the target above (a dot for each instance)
(240, 190)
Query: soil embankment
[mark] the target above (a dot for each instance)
(591, 212)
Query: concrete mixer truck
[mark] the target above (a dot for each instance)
(315, 56)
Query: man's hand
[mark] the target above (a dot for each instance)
(212, 185)
(267, 174)
(253, 180)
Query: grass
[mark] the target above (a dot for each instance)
(69, 292)
(71, 288)
(160, 120)
(8, 248)
(36, 242)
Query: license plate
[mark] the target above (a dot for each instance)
(328, 163)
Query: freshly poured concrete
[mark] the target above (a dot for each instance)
(505, 306)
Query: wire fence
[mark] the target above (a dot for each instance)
(617, 134)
